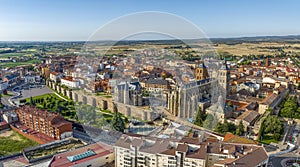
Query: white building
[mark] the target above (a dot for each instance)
(153, 152)
(70, 82)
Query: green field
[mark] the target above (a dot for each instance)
(11, 142)
(6, 55)
(14, 64)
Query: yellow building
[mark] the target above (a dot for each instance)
(46, 72)
(201, 72)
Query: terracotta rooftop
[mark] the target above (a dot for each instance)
(231, 138)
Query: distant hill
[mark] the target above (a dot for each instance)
(237, 40)
(287, 39)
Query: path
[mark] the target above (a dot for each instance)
(60, 96)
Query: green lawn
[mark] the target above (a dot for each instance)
(103, 94)
(267, 139)
(52, 102)
(14, 144)
(44, 96)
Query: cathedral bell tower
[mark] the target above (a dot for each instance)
(224, 77)
(201, 72)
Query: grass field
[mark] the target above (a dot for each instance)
(6, 55)
(14, 64)
(267, 139)
(262, 48)
(11, 142)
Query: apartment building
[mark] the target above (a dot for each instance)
(51, 124)
(138, 151)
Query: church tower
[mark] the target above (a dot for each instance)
(126, 93)
(224, 77)
(201, 72)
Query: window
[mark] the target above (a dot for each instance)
(89, 165)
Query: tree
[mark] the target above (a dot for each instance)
(200, 117)
(289, 108)
(276, 136)
(210, 122)
(1, 105)
(117, 122)
(31, 101)
(269, 110)
(225, 127)
(240, 129)
(261, 131)
(271, 125)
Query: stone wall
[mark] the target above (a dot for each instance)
(104, 103)
(133, 111)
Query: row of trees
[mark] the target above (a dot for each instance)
(230, 127)
(50, 103)
(290, 108)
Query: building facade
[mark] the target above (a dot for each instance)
(137, 151)
(129, 93)
(51, 124)
(184, 101)
(70, 82)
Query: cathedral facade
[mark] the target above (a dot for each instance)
(129, 93)
(185, 100)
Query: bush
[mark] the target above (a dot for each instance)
(276, 136)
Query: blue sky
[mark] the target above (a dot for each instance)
(77, 20)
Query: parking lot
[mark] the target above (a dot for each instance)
(31, 91)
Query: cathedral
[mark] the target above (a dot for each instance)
(129, 93)
(210, 87)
